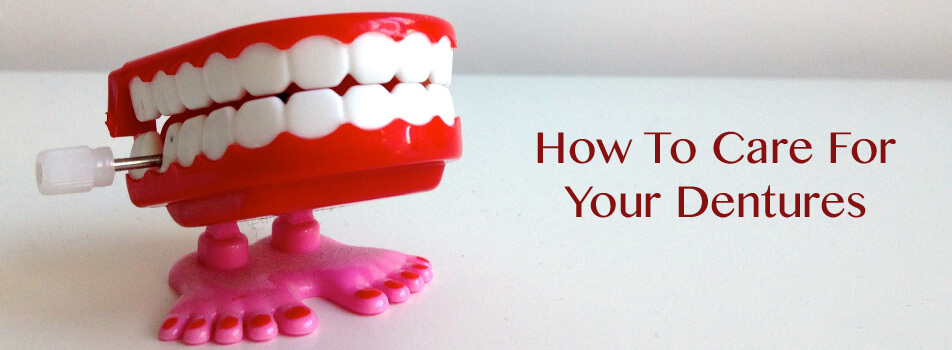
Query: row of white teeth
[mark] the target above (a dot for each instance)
(308, 114)
(312, 63)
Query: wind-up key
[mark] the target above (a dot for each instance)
(79, 169)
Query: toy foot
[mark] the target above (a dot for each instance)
(226, 299)
(229, 316)
(363, 280)
(367, 280)
(261, 298)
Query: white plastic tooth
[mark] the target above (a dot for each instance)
(441, 102)
(369, 107)
(146, 144)
(143, 103)
(318, 62)
(373, 58)
(170, 149)
(221, 78)
(191, 87)
(314, 113)
(166, 94)
(258, 122)
(190, 140)
(158, 97)
(218, 132)
(442, 56)
(263, 69)
(415, 58)
(410, 103)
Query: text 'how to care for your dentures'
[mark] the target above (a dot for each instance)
(729, 148)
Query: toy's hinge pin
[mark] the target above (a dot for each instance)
(137, 162)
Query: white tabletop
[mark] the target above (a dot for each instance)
(514, 267)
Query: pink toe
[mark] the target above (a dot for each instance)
(369, 301)
(198, 331)
(419, 260)
(396, 291)
(423, 270)
(261, 327)
(171, 328)
(228, 330)
(296, 320)
(412, 279)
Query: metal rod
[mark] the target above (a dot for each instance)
(137, 162)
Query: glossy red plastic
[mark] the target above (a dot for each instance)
(293, 174)
(120, 118)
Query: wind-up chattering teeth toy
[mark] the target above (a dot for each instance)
(278, 118)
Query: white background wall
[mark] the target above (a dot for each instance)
(802, 38)
(515, 268)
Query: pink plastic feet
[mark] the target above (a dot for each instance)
(261, 298)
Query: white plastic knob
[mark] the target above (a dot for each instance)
(74, 169)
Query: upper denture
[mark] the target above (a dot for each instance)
(315, 62)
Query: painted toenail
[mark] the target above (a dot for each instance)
(422, 259)
(169, 323)
(260, 320)
(297, 312)
(367, 293)
(228, 322)
(409, 275)
(393, 284)
(197, 323)
(419, 266)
